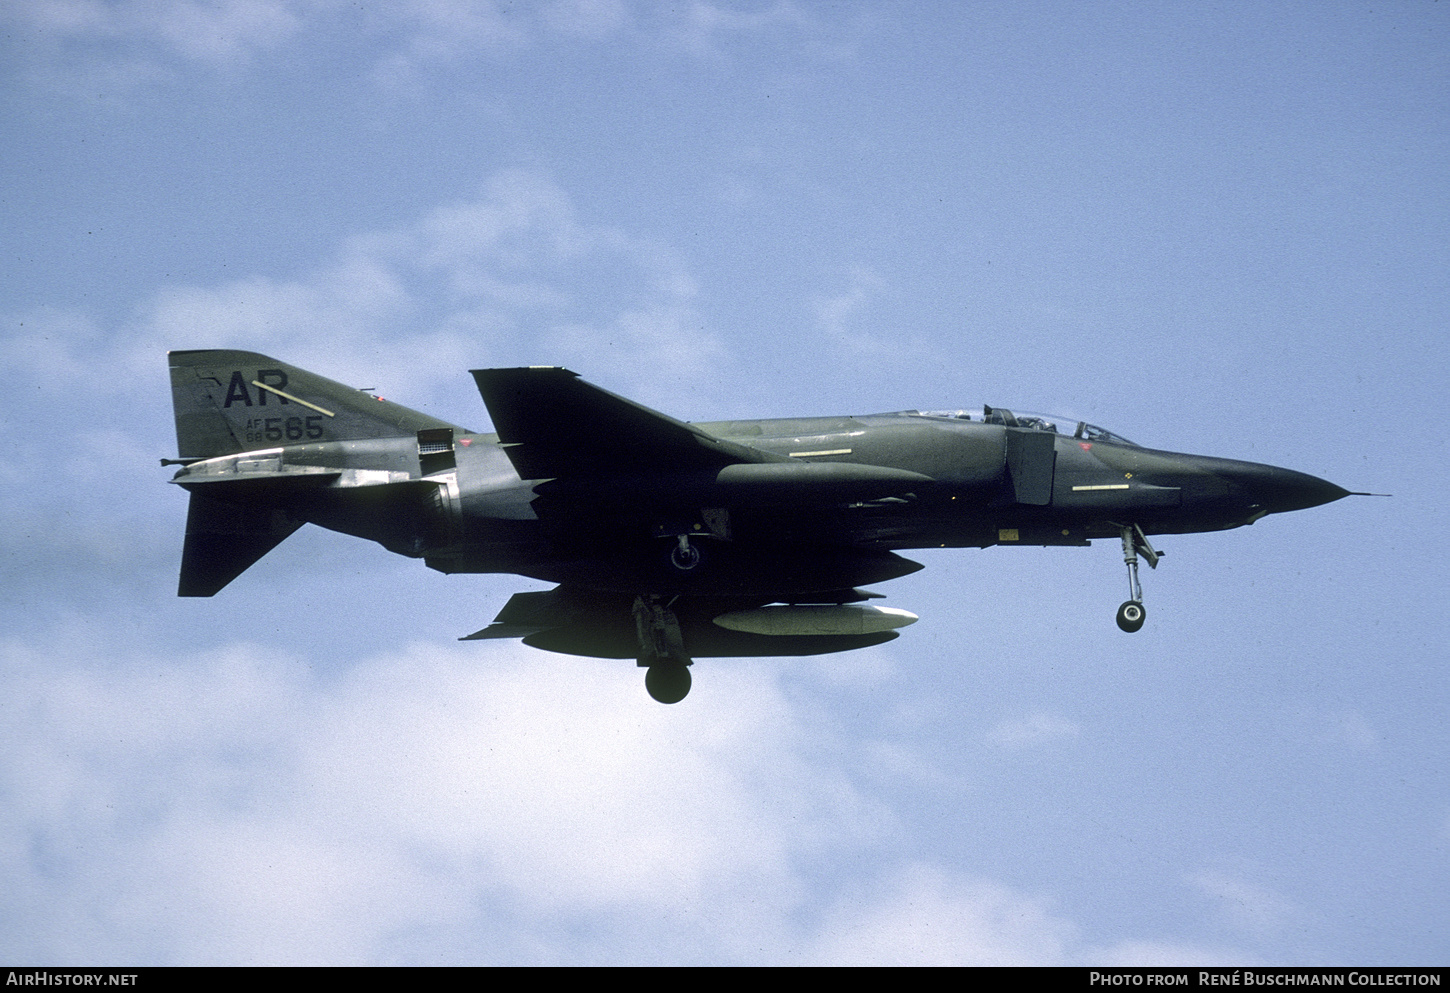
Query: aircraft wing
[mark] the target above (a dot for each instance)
(553, 425)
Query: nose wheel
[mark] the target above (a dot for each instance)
(1132, 613)
(1131, 616)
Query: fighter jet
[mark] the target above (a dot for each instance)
(670, 541)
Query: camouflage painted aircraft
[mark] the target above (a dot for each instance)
(670, 540)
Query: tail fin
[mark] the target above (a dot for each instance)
(230, 401)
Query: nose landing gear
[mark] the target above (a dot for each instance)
(1132, 614)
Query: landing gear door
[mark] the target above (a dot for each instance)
(1031, 461)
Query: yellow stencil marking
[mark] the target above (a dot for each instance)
(289, 396)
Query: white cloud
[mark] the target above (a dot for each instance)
(48, 349)
(705, 28)
(221, 30)
(835, 314)
(587, 18)
(660, 354)
(407, 35)
(345, 304)
(846, 322)
(1349, 729)
(511, 276)
(205, 30)
(924, 916)
(128, 42)
(423, 34)
(1152, 953)
(241, 811)
(1246, 906)
(478, 803)
(928, 919)
(1035, 729)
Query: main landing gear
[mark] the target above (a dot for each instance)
(1131, 614)
(684, 556)
(667, 683)
(661, 650)
(661, 645)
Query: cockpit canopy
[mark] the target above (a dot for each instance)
(1034, 422)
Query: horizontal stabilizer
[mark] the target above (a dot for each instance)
(225, 539)
(501, 631)
(255, 481)
(523, 615)
(553, 425)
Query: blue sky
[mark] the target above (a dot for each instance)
(1211, 228)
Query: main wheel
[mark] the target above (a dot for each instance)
(684, 556)
(1131, 616)
(666, 682)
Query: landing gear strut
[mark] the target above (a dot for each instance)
(1131, 614)
(661, 650)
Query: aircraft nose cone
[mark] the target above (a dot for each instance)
(1272, 490)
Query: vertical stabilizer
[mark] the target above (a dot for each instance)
(229, 401)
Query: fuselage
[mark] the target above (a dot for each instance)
(846, 486)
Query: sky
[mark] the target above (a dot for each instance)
(1216, 228)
